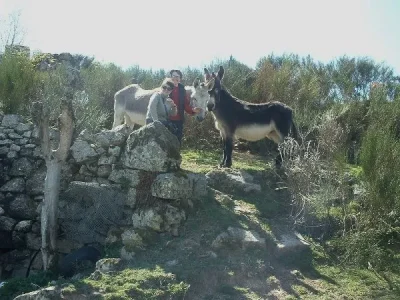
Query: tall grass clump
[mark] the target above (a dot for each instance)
(314, 172)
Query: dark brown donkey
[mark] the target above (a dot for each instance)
(248, 121)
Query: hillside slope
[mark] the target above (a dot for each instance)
(229, 249)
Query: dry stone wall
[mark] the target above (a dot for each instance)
(118, 188)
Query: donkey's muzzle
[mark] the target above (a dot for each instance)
(210, 106)
(199, 118)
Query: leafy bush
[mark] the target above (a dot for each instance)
(87, 115)
(18, 83)
(101, 82)
(371, 244)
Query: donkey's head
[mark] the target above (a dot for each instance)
(200, 96)
(214, 88)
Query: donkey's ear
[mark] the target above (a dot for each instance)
(196, 82)
(221, 72)
(210, 84)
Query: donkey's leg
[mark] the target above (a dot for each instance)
(275, 136)
(118, 116)
(129, 122)
(223, 140)
(228, 151)
(222, 163)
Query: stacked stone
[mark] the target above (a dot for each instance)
(118, 186)
(141, 170)
(21, 192)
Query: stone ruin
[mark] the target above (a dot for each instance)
(118, 188)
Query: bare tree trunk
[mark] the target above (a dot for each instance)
(49, 213)
(54, 161)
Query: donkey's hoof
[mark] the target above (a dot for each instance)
(225, 165)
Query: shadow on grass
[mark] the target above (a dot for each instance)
(228, 271)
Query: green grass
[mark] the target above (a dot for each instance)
(355, 284)
(230, 273)
(17, 286)
(203, 161)
(128, 284)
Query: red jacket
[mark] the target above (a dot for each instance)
(175, 97)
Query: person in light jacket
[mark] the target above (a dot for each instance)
(161, 107)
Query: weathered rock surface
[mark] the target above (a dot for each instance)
(291, 243)
(179, 186)
(88, 210)
(239, 238)
(152, 148)
(228, 180)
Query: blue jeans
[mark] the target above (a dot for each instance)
(173, 127)
(178, 129)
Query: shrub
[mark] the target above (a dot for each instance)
(18, 83)
(316, 186)
(101, 82)
(370, 245)
(87, 115)
(380, 154)
(376, 238)
(201, 135)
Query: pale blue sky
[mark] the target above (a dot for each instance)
(180, 33)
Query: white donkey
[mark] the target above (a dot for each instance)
(131, 102)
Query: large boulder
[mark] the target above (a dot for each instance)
(48, 293)
(82, 151)
(228, 180)
(23, 207)
(152, 148)
(179, 185)
(11, 121)
(239, 238)
(21, 167)
(89, 210)
(16, 185)
(159, 218)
